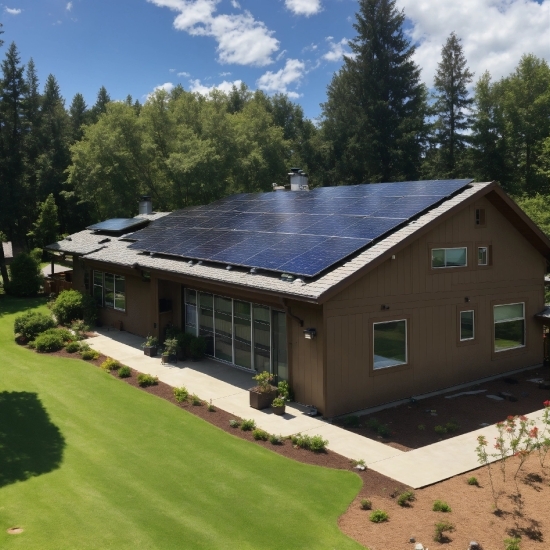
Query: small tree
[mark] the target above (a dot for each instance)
(26, 278)
(45, 227)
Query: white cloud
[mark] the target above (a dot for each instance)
(225, 74)
(167, 87)
(69, 6)
(235, 4)
(289, 75)
(241, 38)
(225, 86)
(171, 70)
(495, 33)
(337, 50)
(13, 11)
(184, 73)
(304, 7)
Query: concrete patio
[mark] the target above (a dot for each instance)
(227, 387)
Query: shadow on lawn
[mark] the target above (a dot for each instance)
(30, 445)
(11, 304)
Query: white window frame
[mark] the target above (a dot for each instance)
(507, 321)
(486, 263)
(473, 325)
(375, 368)
(465, 248)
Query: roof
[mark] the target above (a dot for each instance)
(116, 251)
(47, 269)
(544, 314)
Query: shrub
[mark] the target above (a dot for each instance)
(31, 324)
(234, 423)
(49, 341)
(89, 354)
(72, 347)
(110, 364)
(197, 348)
(124, 372)
(381, 429)
(284, 390)
(26, 277)
(79, 327)
(421, 427)
(512, 544)
(452, 426)
(350, 421)
(71, 305)
(472, 481)
(264, 381)
(275, 439)
(313, 443)
(405, 498)
(442, 527)
(440, 430)
(378, 516)
(170, 346)
(260, 435)
(36, 254)
(196, 400)
(366, 504)
(441, 506)
(278, 402)
(181, 394)
(248, 425)
(146, 380)
(210, 407)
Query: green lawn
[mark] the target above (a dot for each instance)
(87, 461)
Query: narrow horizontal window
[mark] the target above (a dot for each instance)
(449, 257)
(389, 344)
(467, 330)
(482, 255)
(509, 320)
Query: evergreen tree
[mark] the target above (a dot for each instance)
(100, 107)
(451, 108)
(32, 116)
(78, 113)
(373, 119)
(45, 228)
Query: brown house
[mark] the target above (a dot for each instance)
(448, 295)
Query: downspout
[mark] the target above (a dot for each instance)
(290, 314)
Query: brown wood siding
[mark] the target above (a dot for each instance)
(432, 299)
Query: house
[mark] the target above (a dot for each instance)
(358, 295)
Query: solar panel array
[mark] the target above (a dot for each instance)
(117, 225)
(301, 233)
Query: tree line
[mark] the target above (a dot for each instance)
(63, 167)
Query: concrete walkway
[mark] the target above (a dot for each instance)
(227, 387)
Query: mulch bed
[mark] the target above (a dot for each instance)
(468, 411)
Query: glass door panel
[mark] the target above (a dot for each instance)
(280, 359)
(223, 313)
(262, 338)
(190, 309)
(206, 320)
(242, 322)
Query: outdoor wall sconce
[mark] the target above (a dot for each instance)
(466, 299)
(310, 333)
(385, 307)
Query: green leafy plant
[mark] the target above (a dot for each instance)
(378, 516)
(264, 381)
(441, 506)
(26, 277)
(421, 427)
(195, 400)
(146, 380)
(472, 481)
(452, 426)
(71, 305)
(284, 390)
(150, 342)
(359, 462)
(442, 527)
(278, 402)
(170, 346)
(440, 430)
(210, 407)
(260, 435)
(31, 324)
(312, 443)
(124, 372)
(110, 364)
(89, 354)
(72, 347)
(275, 439)
(512, 544)
(248, 425)
(49, 341)
(181, 394)
(381, 429)
(404, 499)
(366, 504)
(234, 423)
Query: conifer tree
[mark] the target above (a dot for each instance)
(452, 110)
(78, 113)
(373, 120)
(45, 228)
(100, 107)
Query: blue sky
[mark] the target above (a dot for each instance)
(292, 46)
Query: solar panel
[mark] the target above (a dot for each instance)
(302, 233)
(117, 224)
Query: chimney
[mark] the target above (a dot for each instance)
(298, 180)
(145, 205)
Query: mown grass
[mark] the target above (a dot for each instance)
(88, 462)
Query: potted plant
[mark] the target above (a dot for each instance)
(150, 346)
(164, 357)
(170, 348)
(278, 406)
(197, 348)
(262, 395)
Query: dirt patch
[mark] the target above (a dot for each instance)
(14, 531)
(412, 425)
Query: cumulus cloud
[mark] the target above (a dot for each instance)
(290, 75)
(241, 38)
(69, 6)
(184, 73)
(225, 86)
(495, 33)
(304, 7)
(13, 11)
(167, 87)
(337, 50)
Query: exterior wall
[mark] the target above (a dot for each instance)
(431, 300)
(306, 356)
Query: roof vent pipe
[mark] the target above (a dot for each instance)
(145, 205)
(298, 180)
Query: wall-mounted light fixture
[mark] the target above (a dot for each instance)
(466, 299)
(310, 333)
(385, 307)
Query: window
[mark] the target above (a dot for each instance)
(389, 344)
(509, 326)
(480, 217)
(191, 311)
(482, 255)
(467, 331)
(449, 257)
(110, 290)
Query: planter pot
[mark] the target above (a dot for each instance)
(151, 351)
(164, 359)
(278, 410)
(262, 400)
